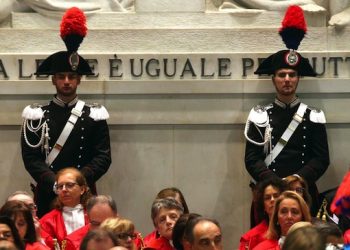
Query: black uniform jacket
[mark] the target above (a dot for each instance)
(305, 154)
(87, 147)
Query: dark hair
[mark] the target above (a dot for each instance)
(172, 192)
(98, 234)
(179, 229)
(327, 229)
(17, 240)
(80, 179)
(296, 178)
(101, 199)
(189, 234)
(304, 238)
(13, 209)
(276, 183)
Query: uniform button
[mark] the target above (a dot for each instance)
(302, 154)
(82, 128)
(272, 146)
(50, 148)
(270, 120)
(47, 111)
(304, 127)
(270, 113)
(48, 120)
(274, 170)
(272, 137)
(82, 137)
(304, 119)
(51, 166)
(82, 119)
(304, 137)
(274, 161)
(83, 112)
(78, 166)
(81, 148)
(302, 162)
(79, 156)
(304, 146)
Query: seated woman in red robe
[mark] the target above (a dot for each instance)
(70, 214)
(290, 208)
(267, 193)
(21, 214)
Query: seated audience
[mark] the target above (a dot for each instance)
(98, 239)
(179, 229)
(99, 208)
(171, 192)
(69, 215)
(164, 213)
(331, 233)
(289, 209)
(267, 192)
(21, 215)
(8, 232)
(304, 238)
(124, 231)
(202, 233)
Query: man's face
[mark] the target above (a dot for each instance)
(286, 82)
(66, 84)
(207, 236)
(99, 213)
(165, 221)
(100, 244)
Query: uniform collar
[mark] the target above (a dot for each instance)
(290, 105)
(62, 104)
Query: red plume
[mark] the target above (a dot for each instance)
(73, 28)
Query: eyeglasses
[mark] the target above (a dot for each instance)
(32, 207)
(68, 185)
(284, 74)
(299, 190)
(125, 236)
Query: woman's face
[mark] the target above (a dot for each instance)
(126, 239)
(68, 190)
(297, 187)
(270, 195)
(5, 233)
(289, 212)
(21, 225)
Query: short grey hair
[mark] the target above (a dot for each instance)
(167, 203)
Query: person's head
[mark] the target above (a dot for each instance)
(71, 188)
(267, 192)
(22, 217)
(286, 82)
(123, 230)
(7, 245)
(202, 234)
(67, 67)
(100, 208)
(98, 239)
(179, 229)
(165, 213)
(289, 209)
(304, 238)
(173, 192)
(330, 232)
(26, 198)
(298, 184)
(8, 232)
(66, 84)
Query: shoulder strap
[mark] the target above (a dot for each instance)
(282, 142)
(75, 114)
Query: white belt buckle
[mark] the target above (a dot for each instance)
(298, 118)
(76, 112)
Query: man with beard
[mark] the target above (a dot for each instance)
(287, 137)
(66, 132)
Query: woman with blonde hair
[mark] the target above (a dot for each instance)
(124, 230)
(289, 209)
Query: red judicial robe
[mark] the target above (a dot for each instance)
(36, 246)
(254, 236)
(52, 223)
(268, 245)
(160, 243)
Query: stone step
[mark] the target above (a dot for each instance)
(169, 20)
(163, 40)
